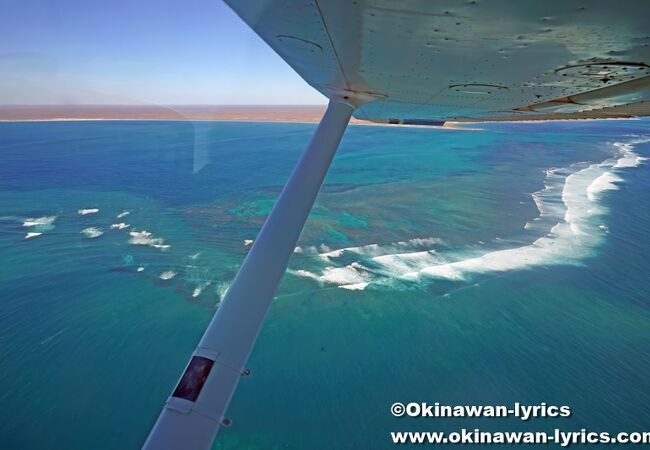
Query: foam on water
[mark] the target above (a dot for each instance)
(39, 221)
(569, 221)
(549, 200)
(167, 275)
(86, 211)
(605, 182)
(222, 290)
(377, 250)
(92, 232)
(304, 274)
(144, 237)
(354, 287)
(354, 273)
(403, 263)
(574, 236)
(628, 158)
(123, 214)
(119, 226)
(199, 288)
(39, 225)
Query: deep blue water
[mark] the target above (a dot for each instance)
(461, 267)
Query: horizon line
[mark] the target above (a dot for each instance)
(260, 105)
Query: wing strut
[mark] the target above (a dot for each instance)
(193, 414)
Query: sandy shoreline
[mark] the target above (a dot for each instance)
(229, 113)
(281, 113)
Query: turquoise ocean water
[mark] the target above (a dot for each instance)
(508, 264)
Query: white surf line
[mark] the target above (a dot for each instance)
(568, 242)
(355, 287)
(605, 182)
(548, 201)
(402, 263)
(356, 276)
(628, 157)
(572, 200)
(377, 249)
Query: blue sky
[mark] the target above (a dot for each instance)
(138, 52)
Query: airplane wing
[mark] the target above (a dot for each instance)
(466, 60)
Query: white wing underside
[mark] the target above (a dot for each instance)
(427, 60)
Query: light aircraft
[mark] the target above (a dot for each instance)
(419, 62)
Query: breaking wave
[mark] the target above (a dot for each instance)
(39, 225)
(92, 232)
(376, 249)
(167, 275)
(146, 238)
(605, 182)
(569, 223)
(39, 221)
